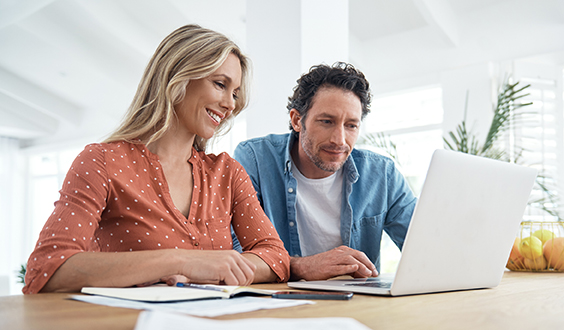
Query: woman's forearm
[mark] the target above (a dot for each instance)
(107, 269)
(263, 273)
(125, 269)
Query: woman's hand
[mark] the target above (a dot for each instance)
(216, 267)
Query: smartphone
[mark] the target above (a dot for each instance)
(314, 295)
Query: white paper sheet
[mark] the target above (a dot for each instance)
(156, 320)
(209, 308)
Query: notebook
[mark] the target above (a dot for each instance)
(165, 293)
(461, 232)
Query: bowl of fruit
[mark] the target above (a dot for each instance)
(538, 248)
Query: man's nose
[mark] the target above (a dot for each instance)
(338, 136)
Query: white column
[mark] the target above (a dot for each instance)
(325, 32)
(284, 39)
(274, 45)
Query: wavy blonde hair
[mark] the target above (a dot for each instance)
(190, 52)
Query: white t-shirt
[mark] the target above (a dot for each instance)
(318, 212)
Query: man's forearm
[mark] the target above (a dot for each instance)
(297, 270)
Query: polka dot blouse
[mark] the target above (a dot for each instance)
(115, 198)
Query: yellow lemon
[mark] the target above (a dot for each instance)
(530, 247)
(544, 235)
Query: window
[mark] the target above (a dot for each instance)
(46, 174)
(413, 121)
(539, 132)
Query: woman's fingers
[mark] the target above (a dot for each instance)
(228, 267)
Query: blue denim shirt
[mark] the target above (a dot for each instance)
(376, 196)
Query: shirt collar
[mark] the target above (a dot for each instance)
(288, 156)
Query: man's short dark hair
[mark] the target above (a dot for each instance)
(341, 75)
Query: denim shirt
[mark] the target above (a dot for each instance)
(376, 196)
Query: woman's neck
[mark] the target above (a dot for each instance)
(173, 146)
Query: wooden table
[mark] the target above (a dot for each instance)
(522, 301)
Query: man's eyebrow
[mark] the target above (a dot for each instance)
(325, 114)
(328, 115)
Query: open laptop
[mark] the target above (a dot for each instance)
(461, 232)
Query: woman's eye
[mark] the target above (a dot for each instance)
(220, 84)
(235, 97)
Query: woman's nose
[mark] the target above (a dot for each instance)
(228, 103)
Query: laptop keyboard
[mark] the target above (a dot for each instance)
(373, 284)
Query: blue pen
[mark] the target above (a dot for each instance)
(200, 286)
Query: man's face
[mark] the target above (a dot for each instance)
(328, 133)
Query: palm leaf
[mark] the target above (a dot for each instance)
(504, 112)
(384, 143)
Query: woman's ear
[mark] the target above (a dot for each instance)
(295, 120)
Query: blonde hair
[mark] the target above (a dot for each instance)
(190, 52)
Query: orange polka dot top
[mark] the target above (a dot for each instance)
(115, 198)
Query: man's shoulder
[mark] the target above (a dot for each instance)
(271, 140)
(370, 158)
(265, 151)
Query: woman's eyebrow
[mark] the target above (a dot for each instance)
(226, 77)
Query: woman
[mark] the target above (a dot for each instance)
(148, 204)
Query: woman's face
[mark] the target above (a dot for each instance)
(210, 100)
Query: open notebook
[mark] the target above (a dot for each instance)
(163, 292)
(461, 231)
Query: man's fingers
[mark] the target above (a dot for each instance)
(366, 266)
(338, 270)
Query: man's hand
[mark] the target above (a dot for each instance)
(341, 260)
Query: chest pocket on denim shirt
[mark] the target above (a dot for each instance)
(372, 222)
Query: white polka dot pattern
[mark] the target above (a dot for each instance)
(115, 198)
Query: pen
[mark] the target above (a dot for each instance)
(200, 286)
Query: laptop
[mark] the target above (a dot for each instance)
(461, 231)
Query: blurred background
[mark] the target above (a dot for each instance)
(69, 69)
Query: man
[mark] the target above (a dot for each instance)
(328, 201)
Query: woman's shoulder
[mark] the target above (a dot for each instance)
(118, 152)
(116, 147)
(223, 160)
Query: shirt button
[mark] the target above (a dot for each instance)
(291, 223)
(290, 190)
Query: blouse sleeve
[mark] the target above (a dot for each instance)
(70, 228)
(254, 230)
